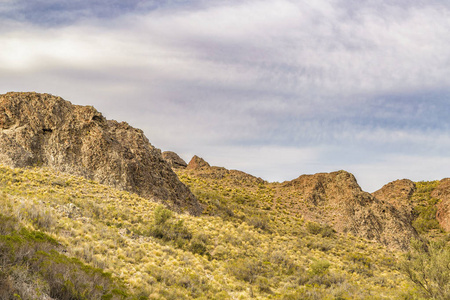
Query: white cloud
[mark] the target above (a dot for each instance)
(276, 46)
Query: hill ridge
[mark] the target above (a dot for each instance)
(42, 129)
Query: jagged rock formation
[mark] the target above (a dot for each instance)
(197, 163)
(174, 160)
(398, 193)
(442, 192)
(44, 130)
(334, 198)
(337, 199)
(203, 169)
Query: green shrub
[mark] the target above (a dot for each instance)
(167, 228)
(258, 221)
(32, 253)
(246, 269)
(319, 267)
(198, 247)
(324, 230)
(263, 284)
(161, 215)
(426, 218)
(428, 267)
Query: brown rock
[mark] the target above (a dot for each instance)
(41, 129)
(337, 199)
(398, 193)
(174, 160)
(197, 163)
(442, 192)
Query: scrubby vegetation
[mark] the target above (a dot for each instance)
(32, 266)
(71, 238)
(428, 266)
(425, 208)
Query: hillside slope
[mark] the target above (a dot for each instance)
(44, 130)
(426, 204)
(157, 254)
(333, 199)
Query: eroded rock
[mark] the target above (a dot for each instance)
(45, 130)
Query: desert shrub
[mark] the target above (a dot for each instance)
(360, 264)
(8, 224)
(360, 258)
(167, 228)
(320, 245)
(327, 231)
(426, 218)
(197, 246)
(7, 289)
(26, 254)
(161, 215)
(69, 278)
(326, 280)
(20, 246)
(316, 229)
(282, 260)
(319, 267)
(258, 221)
(428, 267)
(263, 284)
(246, 269)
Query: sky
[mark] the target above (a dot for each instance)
(275, 88)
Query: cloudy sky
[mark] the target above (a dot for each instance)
(276, 88)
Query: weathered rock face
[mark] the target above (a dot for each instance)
(398, 193)
(197, 163)
(41, 129)
(442, 192)
(199, 167)
(336, 199)
(174, 160)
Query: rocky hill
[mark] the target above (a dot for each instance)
(398, 193)
(45, 130)
(425, 204)
(65, 235)
(330, 199)
(337, 199)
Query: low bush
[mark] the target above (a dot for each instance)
(246, 269)
(169, 229)
(428, 267)
(30, 264)
(323, 230)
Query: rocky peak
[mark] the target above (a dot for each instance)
(45, 130)
(442, 192)
(174, 160)
(337, 199)
(197, 163)
(398, 193)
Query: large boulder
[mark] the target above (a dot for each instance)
(45, 130)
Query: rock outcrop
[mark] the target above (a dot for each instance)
(197, 163)
(44, 130)
(175, 161)
(337, 199)
(442, 192)
(199, 167)
(398, 193)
